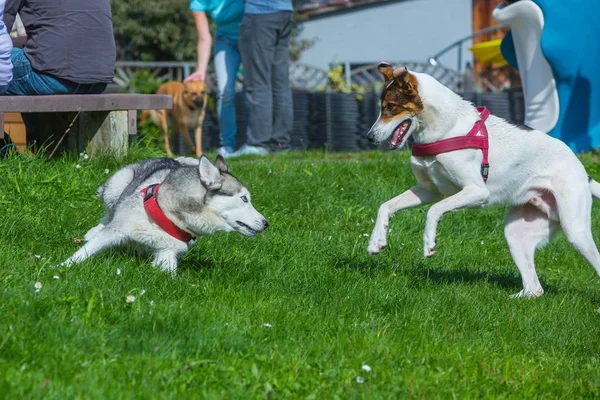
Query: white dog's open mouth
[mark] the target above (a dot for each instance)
(399, 134)
(247, 229)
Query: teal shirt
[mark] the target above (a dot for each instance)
(227, 15)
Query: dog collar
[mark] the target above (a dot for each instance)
(158, 216)
(470, 141)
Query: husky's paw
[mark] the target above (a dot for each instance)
(169, 268)
(528, 294)
(376, 244)
(66, 263)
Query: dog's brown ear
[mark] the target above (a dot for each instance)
(402, 75)
(221, 164)
(386, 70)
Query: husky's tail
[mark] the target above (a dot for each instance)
(595, 188)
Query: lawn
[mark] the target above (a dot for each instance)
(297, 312)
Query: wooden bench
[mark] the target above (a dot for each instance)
(98, 123)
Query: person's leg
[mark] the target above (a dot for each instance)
(27, 81)
(257, 47)
(227, 63)
(283, 114)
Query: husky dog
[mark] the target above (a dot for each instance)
(163, 204)
(538, 176)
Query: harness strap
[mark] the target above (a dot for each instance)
(470, 141)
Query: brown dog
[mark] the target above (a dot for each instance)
(189, 104)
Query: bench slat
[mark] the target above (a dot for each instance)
(85, 102)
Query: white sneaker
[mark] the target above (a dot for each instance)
(248, 150)
(224, 152)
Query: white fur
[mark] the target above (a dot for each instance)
(541, 179)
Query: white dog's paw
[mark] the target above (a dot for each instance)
(428, 252)
(428, 245)
(528, 294)
(376, 244)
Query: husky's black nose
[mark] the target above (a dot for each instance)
(371, 136)
(265, 223)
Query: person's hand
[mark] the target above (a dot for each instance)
(196, 76)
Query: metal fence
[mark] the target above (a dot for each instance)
(323, 118)
(302, 77)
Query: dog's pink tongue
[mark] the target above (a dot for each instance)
(397, 134)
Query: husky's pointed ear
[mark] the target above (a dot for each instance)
(402, 75)
(221, 164)
(386, 70)
(209, 174)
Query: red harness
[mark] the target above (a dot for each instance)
(152, 208)
(471, 141)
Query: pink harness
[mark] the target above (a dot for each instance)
(471, 141)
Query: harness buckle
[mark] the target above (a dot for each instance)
(485, 170)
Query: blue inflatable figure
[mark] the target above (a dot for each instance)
(555, 44)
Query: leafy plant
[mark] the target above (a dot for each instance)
(143, 81)
(155, 30)
(337, 82)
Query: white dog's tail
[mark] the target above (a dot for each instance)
(595, 188)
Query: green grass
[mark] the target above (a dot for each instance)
(429, 328)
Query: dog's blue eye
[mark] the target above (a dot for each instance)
(244, 199)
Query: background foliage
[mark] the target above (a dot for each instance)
(152, 30)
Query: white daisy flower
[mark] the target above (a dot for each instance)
(151, 303)
(130, 299)
(78, 166)
(118, 271)
(85, 156)
(106, 171)
(266, 325)
(56, 277)
(38, 256)
(38, 285)
(360, 379)
(142, 292)
(366, 368)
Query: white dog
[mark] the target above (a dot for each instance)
(541, 179)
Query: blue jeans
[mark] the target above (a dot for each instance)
(227, 63)
(264, 45)
(27, 81)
